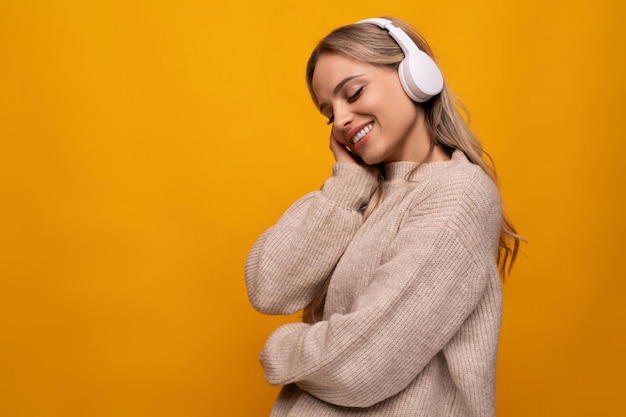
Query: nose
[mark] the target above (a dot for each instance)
(341, 124)
(342, 116)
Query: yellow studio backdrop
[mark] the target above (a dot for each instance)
(145, 145)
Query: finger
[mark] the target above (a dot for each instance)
(339, 151)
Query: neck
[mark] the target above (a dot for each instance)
(438, 154)
(419, 148)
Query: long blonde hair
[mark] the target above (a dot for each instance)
(446, 126)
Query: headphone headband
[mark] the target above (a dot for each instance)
(378, 21)
(401, 38)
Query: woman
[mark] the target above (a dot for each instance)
(395, 260)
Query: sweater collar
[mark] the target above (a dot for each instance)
(400, 169)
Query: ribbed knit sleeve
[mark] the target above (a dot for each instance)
(291, 259)
(432, 279)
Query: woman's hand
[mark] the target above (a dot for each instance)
(342, 154)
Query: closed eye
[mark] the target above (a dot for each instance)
(354, 97)
(330, 120)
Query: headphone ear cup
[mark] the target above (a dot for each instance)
(420, 76)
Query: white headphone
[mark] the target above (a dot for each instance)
(419, 74)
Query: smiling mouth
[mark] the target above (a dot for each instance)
(361, 133)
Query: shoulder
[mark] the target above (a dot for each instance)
(461, 197)
(470, 184)
(448, 184)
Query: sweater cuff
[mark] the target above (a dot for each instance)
(351, 186)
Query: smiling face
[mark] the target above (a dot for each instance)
(369, 111)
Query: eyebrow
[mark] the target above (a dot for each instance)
(339, 86)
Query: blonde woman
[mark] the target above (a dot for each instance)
(397, 260)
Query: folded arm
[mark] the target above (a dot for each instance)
(415, 303)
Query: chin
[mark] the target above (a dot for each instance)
(370, 160)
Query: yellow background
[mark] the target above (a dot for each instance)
(146, 144)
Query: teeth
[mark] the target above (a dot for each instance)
(362, 133)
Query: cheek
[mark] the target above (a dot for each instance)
(404, 109)
(384, 102)
(371, 103)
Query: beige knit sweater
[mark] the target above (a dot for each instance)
(412, 315)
